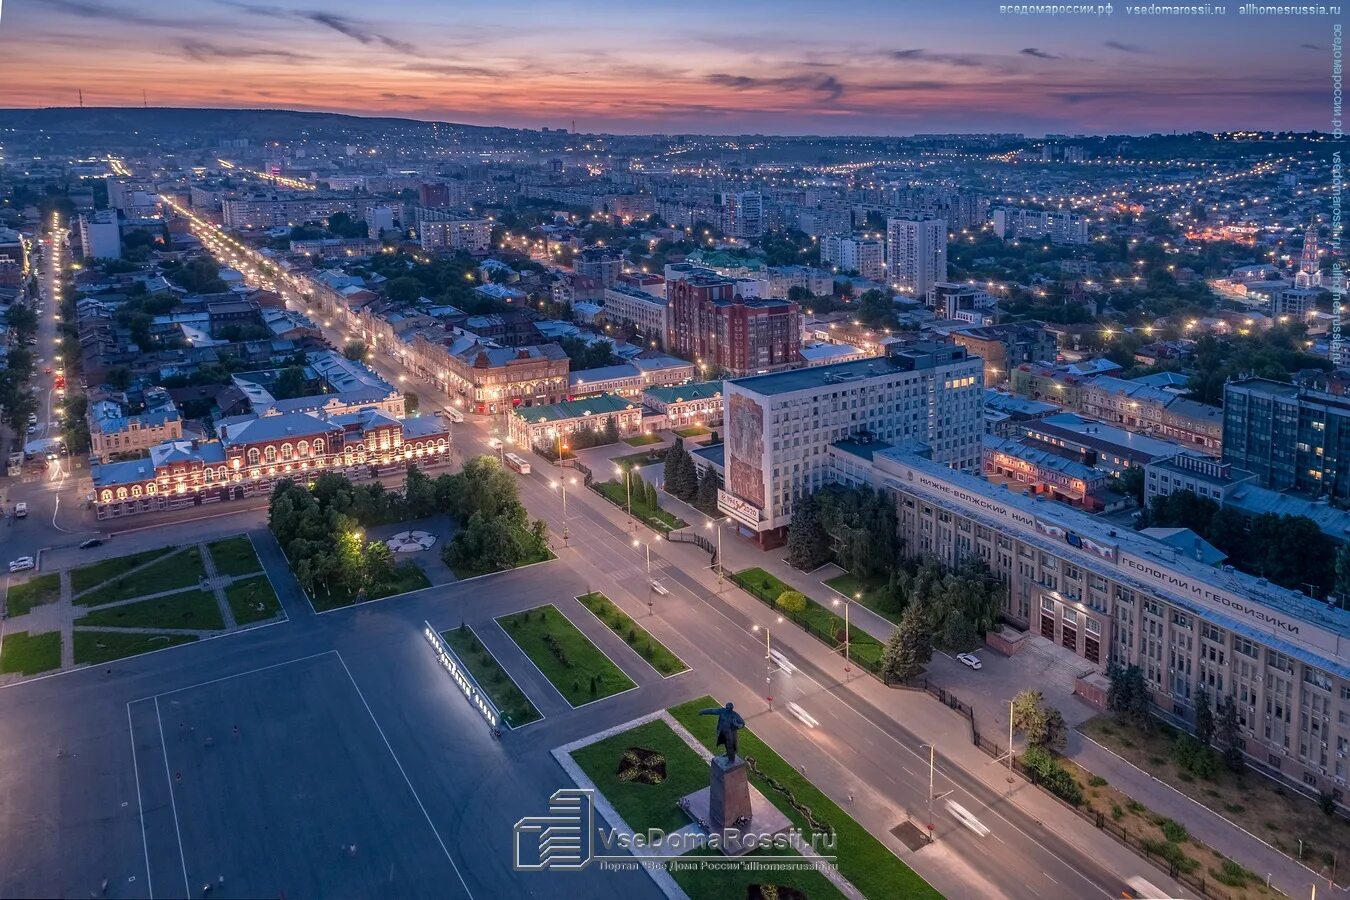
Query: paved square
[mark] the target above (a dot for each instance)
(274, 806)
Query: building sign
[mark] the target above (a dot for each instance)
(477, 699)
(738, 509)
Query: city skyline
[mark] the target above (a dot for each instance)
(757, 68)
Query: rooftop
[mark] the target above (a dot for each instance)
(1099, 436)
(600, 404)
(681, 393)
(906, 358)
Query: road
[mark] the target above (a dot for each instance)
(869, 742)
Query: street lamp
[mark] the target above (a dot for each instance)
(848, 665)
(651, 587)
(768, 661)
(628, 487)
(561, 484)
(716, 524)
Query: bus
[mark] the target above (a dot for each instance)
(1142, 890)
(452, 414)
(518, 463)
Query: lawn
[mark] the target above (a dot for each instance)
(640, 459)
(1278, 815)
(234, 556)
(464, 572)
(866, 862)
(85, 577)
(693, 431)
(577, 668)
(408, 576)
(30, 654)
(653, 516)
(644, 805)
(642, 440)
(619, 622)
(1168, 839)
(104, 646)
(825, 623)
(24, 596)
(252, 600)
(510, 700)
(179, 571)
(189, 610)
(851, 586)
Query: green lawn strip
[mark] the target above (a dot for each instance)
(86, 577)
(24, 596)
(642, 440)
(30, 654)
(104, 646)
(638, 460)
(194, 610)
(510, 700)
(693, 431)
(464, 572)
(617, 494)
(825, 623)
(252, 600)
(863, 860)
(622, 624)
(234, 556)
(178, 571)
(720, 883)
(851, 586)
(408, 576)
(565, 655)
(643, 805)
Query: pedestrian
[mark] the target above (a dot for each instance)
(850, 796)
(221, 881)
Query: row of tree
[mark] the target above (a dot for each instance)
(684, 481)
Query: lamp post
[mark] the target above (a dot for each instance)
(716, 525)
(931, 754)
(768, 662)
(651, 588)
(561, 485)
(628, 486)
(848, 662)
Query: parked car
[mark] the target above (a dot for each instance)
(91, 543)
(21, 510)
(22, 564)
(969, 660)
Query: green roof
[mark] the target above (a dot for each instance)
(574, 409)
(694, 390)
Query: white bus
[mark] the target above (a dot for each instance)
(518, 463)
(452, 414)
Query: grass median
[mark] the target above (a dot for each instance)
(622, 624)
(189, 611)
(825, 623)
(30, 654)
(252, 600)
(86, 577)
(653, 516)
(577, 668)
(24, 596)
(234, 556)
(506, 695)
(96, 647)
(862, 859)
(181, 570)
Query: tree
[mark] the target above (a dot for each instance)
(681, 477)
(808, 544)
(119, 378)
(1128, 695)
(411, 402)
(1131, 483)
(791, 602)
(1343, 575)
(355, 351)
(403, 290)
(1204, 718)
(290, 383)
(708, 486)
(908, 649)
(1229, 735)
(1043, 726)
(378, 563)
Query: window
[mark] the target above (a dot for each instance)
(253, 456)
(1244, 646)
(302, 449)
(1317, 678)
(270, 454)
(287, 452)
(318, 446)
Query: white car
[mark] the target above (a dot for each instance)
(969, 660)
(23, 563)
(659, 588)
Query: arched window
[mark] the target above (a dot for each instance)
(287, 451)
(121, 493)
(302, 449)
(270, 454)
(135, 490)
(253, 456)
(318, 446)
(220, 473)
(107, 496)
(150, 489)
(440, 445)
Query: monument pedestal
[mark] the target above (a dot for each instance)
(730, 808)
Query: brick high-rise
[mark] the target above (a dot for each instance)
(721, 331)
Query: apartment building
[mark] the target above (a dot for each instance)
(1290, 437)
(916, 254)
(648, 313)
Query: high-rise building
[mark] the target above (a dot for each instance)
(743, 214)
(723, 332)
(380, 218)
(916, 254)
(1057, 227)
(100, 235)
(1290, 437)
(601, 263)
(854, 253)
(448, 230)
(779, 427)
(1309, 266)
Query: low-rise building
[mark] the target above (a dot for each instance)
(543, 427)
(112, 432)
(685, 405)
(1042, 473)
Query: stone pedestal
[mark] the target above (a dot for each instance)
(729, 798)
(728, 793)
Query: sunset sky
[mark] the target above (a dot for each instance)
(770, 66)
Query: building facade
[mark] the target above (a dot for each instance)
(916, 254)
(634, 306)
(1291, 438)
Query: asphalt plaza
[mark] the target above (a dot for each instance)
(280, 781)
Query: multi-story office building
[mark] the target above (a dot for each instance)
(1291, 438)
(1057, 227)
(600, 263)
(100, 236)
(779, 426)
(649, 314)
(439, 229)
(1003, 347)
(1113, 594)
(963, 302)
(916, 254)
(721, 331)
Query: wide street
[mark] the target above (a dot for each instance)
(103, 780)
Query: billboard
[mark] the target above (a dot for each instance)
(745, 448)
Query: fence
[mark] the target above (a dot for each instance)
(693, 537)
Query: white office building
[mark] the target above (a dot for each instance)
(851, 253)
(100, 235)
(779, 426)
(633, 306)
(916, 254)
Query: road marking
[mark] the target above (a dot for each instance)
(140, 807)
(173, 802)
(404, 773)
(190, 687)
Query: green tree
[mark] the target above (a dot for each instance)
(791, 602)
(1041, 725)
(681, 477)
(808, 544)
(1204, 717)
(355, 351)
(119, 378)
(708, 486)
(403, 290)
(1343, 576)
(411, 402)
(1131, 483)
(908, 649)
(378, 565)
(1127, 696)
(290, 383)
(1228, 731)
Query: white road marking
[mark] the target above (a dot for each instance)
(173, 801)
(140, 807)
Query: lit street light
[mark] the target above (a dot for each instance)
(628, 486)
(651, 585)
(768, 661)
(561, 484)
(716, 524)
(848, 666)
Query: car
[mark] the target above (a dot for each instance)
(22, 564)
(969, 660)
(20, 510)
(91, 543)
(47, 371)
(494, 443)
(32, 429)
(659, 588)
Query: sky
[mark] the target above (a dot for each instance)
(728, 67)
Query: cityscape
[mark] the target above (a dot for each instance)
(700, 453)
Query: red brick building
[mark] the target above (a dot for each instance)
(724, 332)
